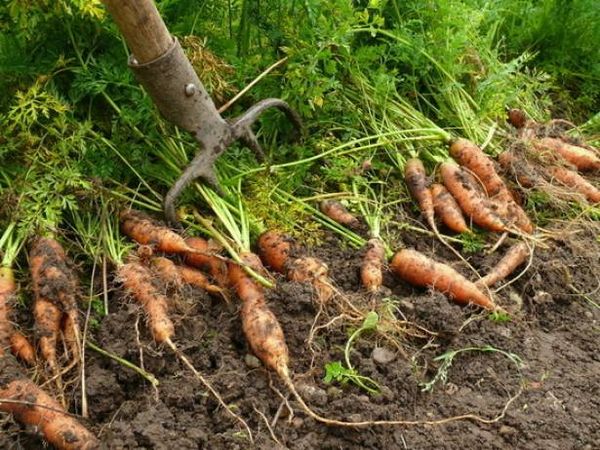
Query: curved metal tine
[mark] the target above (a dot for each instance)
(251, 115)
(202, 166)
(248, 138)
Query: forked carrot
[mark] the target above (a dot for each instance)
(447, 209)
(514, 257)
(420, 270)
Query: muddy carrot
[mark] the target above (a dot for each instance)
(371, 270)
(34, 408)
(22, 348)
(420, 270)
(514, 257)
(338, 213)
(216, 267)
(416, 181)
(473, 204)
(447, 209)
(176, 274)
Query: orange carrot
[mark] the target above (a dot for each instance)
(55, 290)
(137, 280)
(338, 213)
(47, 318)
(7, 290)
(176, 274)
(447, 209)
(577, 182)
(472, 157)
(514, 257)
(275, 250)
(582, 158)
(474, 205)
(371, 270)
(22, 348)
(420, 270)
(416, 181)
(216, 267)
(33, 407)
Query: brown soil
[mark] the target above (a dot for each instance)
(554, 330)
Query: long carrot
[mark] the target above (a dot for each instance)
(338, 213)
(575, 181)
(371, 270)
(137, 280)
(33, 407)
(416, 181)
(420, 270)
(447, 209)
(514, 257)
(582, 158)
(474, 205)
(471, 156)
(54, 282)
(276, 249)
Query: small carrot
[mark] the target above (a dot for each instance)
(474, 205)
(22, 348)
(575, 181)
(216, 267)
(447, 209)
(582, 158)
(177, 275)
(275, 250)
(371, 270)
(33, 407)
(514, 257)
(416, 181)
(137, 280)
(338, 213)
(420, 270)
(142, 229)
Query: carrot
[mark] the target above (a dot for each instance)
(514, 257)
(474, 205)
(511, 163)
(137, 280)
(176, 274)
(472, 157)
(22, 348)
(47, 318)
(577, 182)
(338, 213)
(420, 270)
(447, 209)
(216, 267)
(517, 118)
(371, 270)
(33, 407)
(416, 181)
(7, 290)
(55, 289)
(275, 249)
(582, 158)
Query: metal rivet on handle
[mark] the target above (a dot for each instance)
(190, 89)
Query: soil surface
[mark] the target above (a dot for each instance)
(547, 370)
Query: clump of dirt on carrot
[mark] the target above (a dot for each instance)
(55, 290)
(33, 407)
(419, 270)
(278, 252)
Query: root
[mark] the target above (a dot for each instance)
(271, 432)
(208, 386)
(284, 374)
